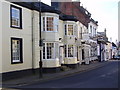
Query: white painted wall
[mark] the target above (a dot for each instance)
(94, 26)
(119, 21)
(9, 32)
(70, 60)
(0, 37)
(36, 48)
(61, 29)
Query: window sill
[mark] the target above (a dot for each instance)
(16, 27)
(16, 63)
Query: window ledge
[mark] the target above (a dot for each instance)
(16, 27)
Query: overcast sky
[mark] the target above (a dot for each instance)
(103, 11)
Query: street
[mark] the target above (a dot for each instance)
(104, 77)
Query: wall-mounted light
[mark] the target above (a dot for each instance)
(60, 38)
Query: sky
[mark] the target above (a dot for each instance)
(103, 11)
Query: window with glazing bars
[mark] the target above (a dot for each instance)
(70, 29)
(70, 51)
(16, 50)
(50, 24)
(50, 50)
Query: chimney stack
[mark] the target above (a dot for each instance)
(76, 2)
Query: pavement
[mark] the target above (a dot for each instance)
(51, 76)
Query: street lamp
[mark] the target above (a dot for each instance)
(40, 41)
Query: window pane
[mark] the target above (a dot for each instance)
(15, 17)
(50, 50)
(16, 50)
(49, 23)
(70, 29)
(70, 51)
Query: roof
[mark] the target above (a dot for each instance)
(101, 33)
(38, 6)
(45, 8)
(95, 22)
(113, 44)
(68, 17)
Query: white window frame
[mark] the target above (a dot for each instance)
(71, 49)
(67, 46)
(55, 26)
(67, 29)
(53, 54)
(16, 16)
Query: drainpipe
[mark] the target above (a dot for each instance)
(40, 42)
(32, 26)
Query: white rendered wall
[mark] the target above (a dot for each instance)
(8, 32)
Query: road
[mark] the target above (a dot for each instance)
(103, 77)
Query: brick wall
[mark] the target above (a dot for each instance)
(73, 8)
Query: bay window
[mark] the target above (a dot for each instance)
(49, 23)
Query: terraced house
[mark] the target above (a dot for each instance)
(65, 37)
(86, 29)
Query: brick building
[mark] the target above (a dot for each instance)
(75, 9)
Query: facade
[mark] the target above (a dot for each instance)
(85, 45)
(16, 38)
(109, 50)
(21, 35)
(0, 38)
(102, 45)
(68, 40)
(73, 8)
(119, 29)
(67, 37)
(93, 25)
(83, 16)
(50, 36)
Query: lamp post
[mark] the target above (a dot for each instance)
(40, 41)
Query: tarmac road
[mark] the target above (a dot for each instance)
(103, 77)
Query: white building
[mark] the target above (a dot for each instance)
(50, 36)
(20, 51)
(66, 41)
(16, 38)
(102, 46)
(93, 25)
(85, 44)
